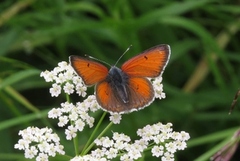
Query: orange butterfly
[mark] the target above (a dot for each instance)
(125, 89)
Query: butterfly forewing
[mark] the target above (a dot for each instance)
(150, 63)
(90, 71)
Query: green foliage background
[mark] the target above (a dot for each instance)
(200, 80)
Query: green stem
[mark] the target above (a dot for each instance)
(87, 147)
(101, 134)
(75, 142)
(68, 98)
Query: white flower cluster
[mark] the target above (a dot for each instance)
(164, 142)
(63, 75)
(159, 133)
(158, 87)
(39, 143)
(75, 116)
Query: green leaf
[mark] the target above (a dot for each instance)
(14, 78)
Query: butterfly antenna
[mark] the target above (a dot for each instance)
(123, 54)
(98, 60)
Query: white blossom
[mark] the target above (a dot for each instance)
(39, 143)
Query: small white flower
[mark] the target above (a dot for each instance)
(171, 147)
(167, 127)
(56, 70)
(119, 145)
(55, 90)
(106, 142)
(71, 132)
(142, 144)
(133, 153)
(91, 102)
(181, 145)
(98, 153)
(115, 118)
(43, 146)
(157, 151)
(22, 144)
(73, 115)
(62, 65)
(176, 135)
(60, 79)
(160, 138)
(158, 87)
(42, 157)
(79, 124)
(126, 157)
(168, 157)
(31, 153)
(90, 121)
(67, 107)
(51, 150)
(54, 113)
(98, 142)
(48, 76)
(77, 80)
(185, 136)
(59, 149)
(69, 73)
(63, 120)
(68, 88)
(81, 90)
(121, 137)
(138, 147)
(111, 153)
(84, 115)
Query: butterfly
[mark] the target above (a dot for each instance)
(125, 89)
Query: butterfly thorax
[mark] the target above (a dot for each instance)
(118, 80)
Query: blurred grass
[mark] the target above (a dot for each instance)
(200, 80)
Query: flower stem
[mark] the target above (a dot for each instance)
(87, 147)
(68, 98)
(75, 142)
(101, 134)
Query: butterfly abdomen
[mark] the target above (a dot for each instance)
(119, 83)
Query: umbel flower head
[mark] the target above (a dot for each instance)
(39, 143)
(63, 77)
(163, 140)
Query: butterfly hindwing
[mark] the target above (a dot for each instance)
(107, 99)
(140, 92)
